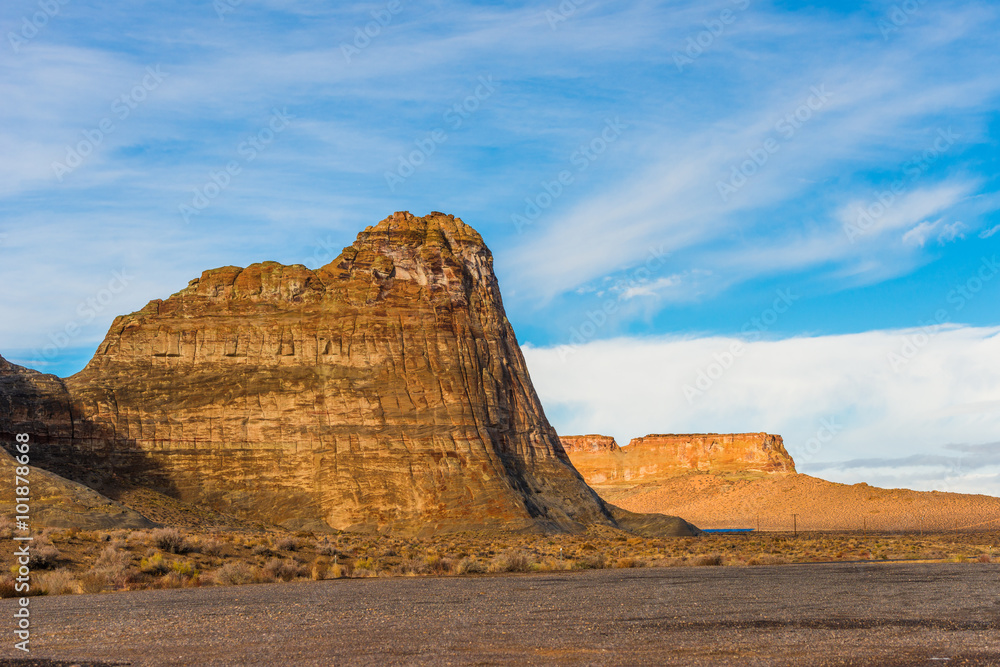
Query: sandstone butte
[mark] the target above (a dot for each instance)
(656, 457)
(383, 391)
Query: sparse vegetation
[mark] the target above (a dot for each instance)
(707, 559)
(234, 574)
(212, 547)
(7, 586)
(320, 567)
(43, 557)
(184, 568)
(93, 581)
(57, 582)
(287, 544)
(470, 566)
(510, 561)
(285, 570)
(170, 539)
(100, 561)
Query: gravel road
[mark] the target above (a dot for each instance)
(824, 614)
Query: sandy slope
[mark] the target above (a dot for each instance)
(59, 502)
(717, 501)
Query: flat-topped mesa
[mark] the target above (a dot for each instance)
(757, 452)
(660, 456)
(383, 391)
(591, 444)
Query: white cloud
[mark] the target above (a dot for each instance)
(940, 389)
(950, 232)
(985, 234)
(919, 234)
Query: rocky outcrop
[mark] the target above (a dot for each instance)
(656, 457)
(33, 402)
(383, 391)
(759, 452)
(591, 444)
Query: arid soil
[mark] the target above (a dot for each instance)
(741, 501)
(833, 614)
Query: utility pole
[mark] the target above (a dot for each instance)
(795, 525)
(758, 522)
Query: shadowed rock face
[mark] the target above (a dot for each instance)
(654, 457)
(35, 403)
(62, 503)
(385, 390)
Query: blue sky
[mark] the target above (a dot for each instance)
(647, 174)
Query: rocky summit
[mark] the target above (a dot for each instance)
(655, 457)
(383, 391)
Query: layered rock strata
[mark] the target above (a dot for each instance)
(589, 444)
(383, 391)
(656, 457)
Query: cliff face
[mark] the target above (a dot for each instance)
(657, 457)
(33, 402)
(590, 444)
(385, 390)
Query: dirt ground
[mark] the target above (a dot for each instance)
(823, 614)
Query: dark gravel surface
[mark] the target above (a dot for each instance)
(828, 614)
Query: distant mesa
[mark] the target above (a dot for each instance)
(748, 480)
(654, 457)
(384, 391)
(588, 444)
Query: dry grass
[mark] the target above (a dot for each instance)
(101, 561)
(706, 559)
(471, 566)
(43, 557)
(287, 544)
(155, 565)
(171, 540)
(285, 570)
(510, 561)
(57, 582)
(7, 587)
(93, 582)
(235, 574)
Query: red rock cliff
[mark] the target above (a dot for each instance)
(592, 444)
(660, 456)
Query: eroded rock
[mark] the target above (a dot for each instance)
(383, 391)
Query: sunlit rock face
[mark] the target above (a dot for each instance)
(383, 391)
(654, 457)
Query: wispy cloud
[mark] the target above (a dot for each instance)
(741, 168)
(721, 184)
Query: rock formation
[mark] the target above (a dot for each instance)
(33, 402)
(656, 457)
(383, 391)
(591, 444)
